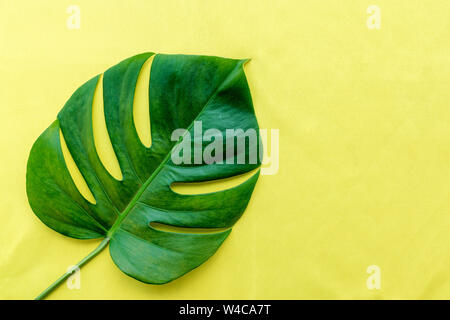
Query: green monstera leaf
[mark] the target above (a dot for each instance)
(184, 90)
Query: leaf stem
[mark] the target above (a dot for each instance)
(66, 275)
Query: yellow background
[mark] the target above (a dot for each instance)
(364, 123)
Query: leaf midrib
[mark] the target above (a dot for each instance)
(144, 186)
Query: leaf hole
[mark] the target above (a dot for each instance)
(74, 172)
(169, 228)
(102, 140)
(141, 108)
(195, 188)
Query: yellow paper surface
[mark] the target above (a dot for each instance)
(364, 143)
